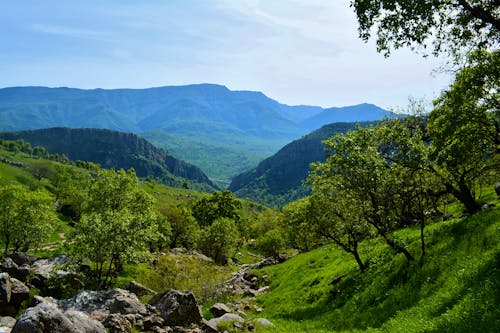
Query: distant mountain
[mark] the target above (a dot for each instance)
(360, 112)
(229, 123)
(278, 179)
(113, 149)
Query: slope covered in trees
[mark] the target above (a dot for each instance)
(113, 149)
(278, 179)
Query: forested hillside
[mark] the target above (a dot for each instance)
(113, 149)
(279, 179)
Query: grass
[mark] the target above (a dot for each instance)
(455, 289)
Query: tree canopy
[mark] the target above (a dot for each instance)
(446, 25)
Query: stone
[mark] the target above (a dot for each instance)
(43, 267)
(263, 290)
(22, 258)
(117, 323)
(219, 309)
(228, 317)
(113, 301)
(263, 322)
(47, 317)
(139, 289)
(19, 292)
(7, 321)
(177, 308)
(5, 289)
(497, 188)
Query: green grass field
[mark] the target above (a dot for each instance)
(454, 289)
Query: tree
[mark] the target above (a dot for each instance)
(465, 128)
(296, 221)
(447, 25)
(219, 204)
(26, 217)
(382, 174)
(271, 243)
(217, 239)
(185, 229)
(117, 224)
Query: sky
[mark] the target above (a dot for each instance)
(295, 51)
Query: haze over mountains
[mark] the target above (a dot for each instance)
(223, 132)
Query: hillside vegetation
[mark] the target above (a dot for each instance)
(113, 149)
(454, 289)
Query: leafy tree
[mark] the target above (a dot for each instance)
(117, 223)
(185, 229)
(219, 204)
(465, 128)
(218, 239)
(26, 217)
(272, 243)
(381, 173)
(296, 221)
(446, 25)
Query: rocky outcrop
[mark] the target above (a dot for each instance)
(48, 317)
(177, 308)
(12, 294)
(14, 270)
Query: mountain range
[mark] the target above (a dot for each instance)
(224, 132)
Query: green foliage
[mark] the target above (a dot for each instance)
(218, 205)
(117, 223)
(452, 26)
(186, 272)
(296, 222)
(26, 217)
(184, 228)
(377, 176)
(272, 243)
(455, 290)
(465, 128)
(218, 239)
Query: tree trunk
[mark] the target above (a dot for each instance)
(361, 265)
(464, 195)
(422, 240)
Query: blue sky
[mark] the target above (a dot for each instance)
(297, 52)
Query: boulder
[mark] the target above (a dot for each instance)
(117, 323)
(219, 309)
(497, 188)
(5, 289)
(263, 322)
(47, 317)
(19, 292)
(139, 289)
(177, 308)
(43, 267)
(7, 321)
(228, 317)
(22, 258)
(112, 301)
(19, 272)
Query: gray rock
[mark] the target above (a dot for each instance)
(263, 322)
(117, 323)
(5, 289)
(112, 301)
(177, 308)
(19, 292)
(22, 258)
(497, 188)
(487, 205)
(44, 267)
(228, 317)
(7, 321)
(139, 289)
(263, 290)
(219, 309)
(46, 317)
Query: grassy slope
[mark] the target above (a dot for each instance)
(456, 289)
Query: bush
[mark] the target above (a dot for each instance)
(272, 243)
